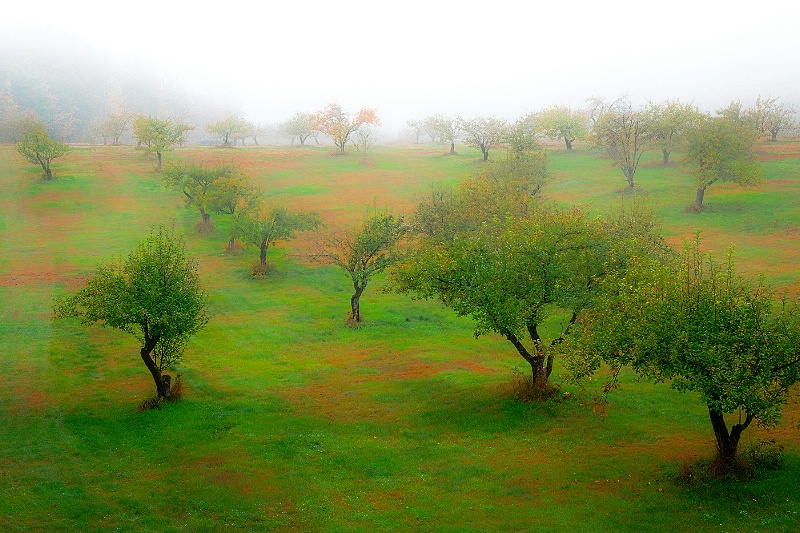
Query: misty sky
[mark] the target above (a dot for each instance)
(410, 59)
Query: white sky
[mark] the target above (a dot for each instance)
(412, 58)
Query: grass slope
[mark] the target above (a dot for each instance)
(293, 421)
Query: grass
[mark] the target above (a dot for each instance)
(293, 421)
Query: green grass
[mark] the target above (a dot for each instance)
(294, 421)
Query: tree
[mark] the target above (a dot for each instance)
(115, 125)
(364, 138)
(416, 127)
(37, 147)
(446, 128)
(300, 125)
(623, 133)
(263, 226)
(483, 132)
(154, 294)
(772, 117)
(491, 251)
(699, 325)
(340, 125)
(562, 122)
(670, 123)
(198, 184)
(229, 130)
(157, 135)
(722, 149)
(364, 252)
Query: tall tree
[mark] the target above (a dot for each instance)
(670, 123)
(364, 252)
(37, 147)
(154, 294)
(562, 122)
(623, 133)
(157, 135)
(722, 149)
(700, 326)
(483, 132)
(340, 125)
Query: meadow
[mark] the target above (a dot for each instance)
(294, 421)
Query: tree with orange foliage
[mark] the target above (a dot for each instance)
(339, 125)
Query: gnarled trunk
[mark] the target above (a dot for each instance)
(698, 200)
(162, 385)
(568, 142)
(727, 443)
(355, 305)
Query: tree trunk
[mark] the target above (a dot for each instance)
(568, 143)
(231, 243)
(452, 147)
(774, 134)
(485, 153)
(206, 217)
(263, 256)
(48, 174)
(698, 200)
(629, 178)
(161, 386)
(665, 153)
(727, 443)
(355, 305)
(158, 168)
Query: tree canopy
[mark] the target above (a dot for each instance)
(623, 133)
(154, 294)
(482, 132)
(670, 124)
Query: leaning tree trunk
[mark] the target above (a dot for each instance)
(162, 387)
(355, 305)
(48, 174)
(665, 153)
(698, 200)
(727, 443)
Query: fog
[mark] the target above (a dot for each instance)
(413, 58)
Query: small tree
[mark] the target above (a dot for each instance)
(300, 126)
(229, 129)
(340, 125)
(699, 325)
(115, 125)
(483, 132)
(154, 294)
(37, 147)
(446, 128)
(670, 124)
(562, 122)
(722, 149)
(364, 252)
(157, 135)
(623, 133)
(263, 226)
(772, 117)
(198, 184)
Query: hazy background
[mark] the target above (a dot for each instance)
(265, 61)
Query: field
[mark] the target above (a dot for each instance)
(293, 421)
